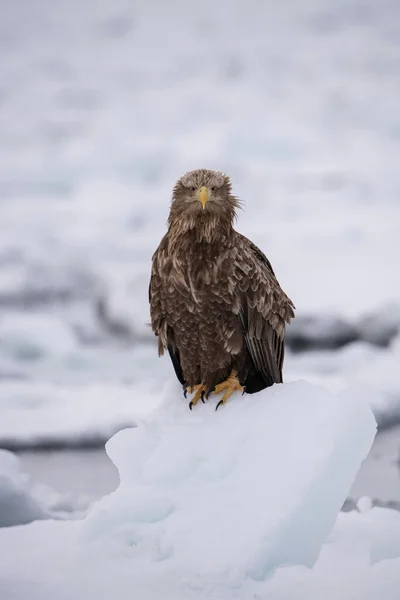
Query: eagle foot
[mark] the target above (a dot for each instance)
(228, 386)
(199, 391)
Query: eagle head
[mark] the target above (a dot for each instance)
(203, 197)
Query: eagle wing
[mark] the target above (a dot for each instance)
(264, 309)
(159, 324)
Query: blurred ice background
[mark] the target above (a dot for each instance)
(103, 105)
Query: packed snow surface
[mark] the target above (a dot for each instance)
(222, 504)
(185, 479)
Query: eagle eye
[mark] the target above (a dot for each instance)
(213, 188)
(192, 187)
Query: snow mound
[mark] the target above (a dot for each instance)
(234, 494)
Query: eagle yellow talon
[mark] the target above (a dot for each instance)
(228, 386)
(199, 393)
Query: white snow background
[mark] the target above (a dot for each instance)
(103, 105)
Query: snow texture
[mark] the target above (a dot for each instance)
(240, 503)
(173, 467)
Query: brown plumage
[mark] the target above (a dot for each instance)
(215, 302)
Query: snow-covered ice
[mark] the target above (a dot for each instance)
(360, 561)
(187, 477)
(219, 504)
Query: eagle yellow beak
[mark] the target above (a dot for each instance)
(202, 195)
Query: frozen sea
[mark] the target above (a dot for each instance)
(103, 105)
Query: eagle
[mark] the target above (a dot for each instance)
(215, 302)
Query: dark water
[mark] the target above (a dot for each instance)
(91, 473)
(379, 476)
(78, 472)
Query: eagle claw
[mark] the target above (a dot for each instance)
(219, 404)
(199, 391)
(210, 392)
(228, 386)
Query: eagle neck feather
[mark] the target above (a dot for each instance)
(187, 232)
